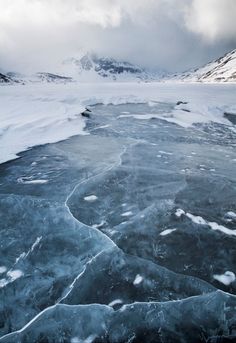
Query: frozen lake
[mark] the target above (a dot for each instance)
(123, 235)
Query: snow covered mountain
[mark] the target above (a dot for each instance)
(87, 67)
(12, 78)
(49, 77)
(221, 70)
(91, 67)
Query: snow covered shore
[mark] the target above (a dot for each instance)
(32, 115)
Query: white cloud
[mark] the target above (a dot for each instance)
(36, 34)
(212, 19)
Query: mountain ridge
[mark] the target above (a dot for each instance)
(91, 68)
(223, 69)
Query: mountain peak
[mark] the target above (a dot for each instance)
(90, 65)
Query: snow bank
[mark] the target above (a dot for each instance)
(31, 116)
(45, 113)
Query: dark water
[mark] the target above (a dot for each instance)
(94, 221)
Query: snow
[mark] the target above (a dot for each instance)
(32, 116)
(115, 302)
(127, 214)
(90, 198)
(36, 114)
(215, 226)
(165, 152)
(12, 275)
(167, 232)
(138, 279)
(231, 215)
(34, 182)
(227, 278)
(201, 221)
(196, 219)
(179, 212)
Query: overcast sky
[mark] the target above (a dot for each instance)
(167, 34)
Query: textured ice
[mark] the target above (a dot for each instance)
(136, 322)
(91, 275)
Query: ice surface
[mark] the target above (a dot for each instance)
(89, 274)
(138, 322)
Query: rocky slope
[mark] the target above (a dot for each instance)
(5, 79)
(221, 70)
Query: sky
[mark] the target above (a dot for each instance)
(172, 35)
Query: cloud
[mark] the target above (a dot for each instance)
(214, 20)
(170, 34)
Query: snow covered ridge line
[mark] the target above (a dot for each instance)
(221, 70)
(88, 67)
